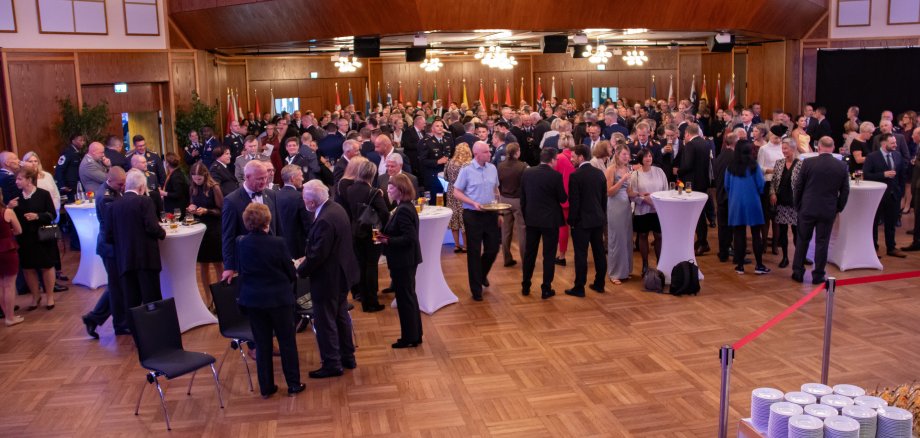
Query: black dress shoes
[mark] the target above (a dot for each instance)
(798, 277)
(387, 290)
(485, 282)
(477, 297)
(403, 344)
(90, 327)
(271, 391)
(560, 262)
(373, 308)
(817, 280)
(349, 364)
(122, 332)
(911, 248)
(60, 288)
(547, 294)
(575, 293)
(298, 388)
(323, 373)
(783, 263)
(510, 263)
(597, 288)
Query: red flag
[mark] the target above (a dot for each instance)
(400, 92)
(231, 113)
(482, 93)
(258, 112)
(494, 90)
(718, 91)
(241, 114)
(731, 94)
(507, 93)
(338, 100)
(539, 90)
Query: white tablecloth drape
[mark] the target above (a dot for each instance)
(178, 255)
(678, 215)
(851, 245)
(430, 285)
(91, 271)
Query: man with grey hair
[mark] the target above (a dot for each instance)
(93, 167)
(477, 185)
(112, 301)
(294, 219)
(540, 128)
(887, 127)
(392, 167)
(9, 165)
(350, 149)
(252, 190)
(330, 263)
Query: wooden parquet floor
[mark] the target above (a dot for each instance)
(623, 364)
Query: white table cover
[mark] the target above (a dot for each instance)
(678, 215)
(430, 285)
(91, 271)
(851, 245)
(178, 255)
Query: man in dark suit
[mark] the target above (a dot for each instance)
(410, 140)
(350, 149)
(294, 218)
(887, 166)
(133, 233)
(821, 192)
(886, 127)
(587, 217)
(252, 190)
(694, 168)
(469, 136)
(670, 152)
(112, 301)
(333, 269)
(456, 128)
(220, 171)
(811, 123)
(542, 195)
(394, 166)
(719, 166)
(115, 151)
(824, 127)
(383, 145)
(234, 141)
(330, 145)
(433, 153)
(540, 127)
(9, 165)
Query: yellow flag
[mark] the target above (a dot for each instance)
(465, 102)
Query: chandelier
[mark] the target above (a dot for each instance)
(432, 65)
(635, 57)
(346, 64)
(599, 55)
(496, 57)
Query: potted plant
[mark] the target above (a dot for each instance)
(187, 121)
(91, 121)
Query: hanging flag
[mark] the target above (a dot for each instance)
(258, 112)
(367, 99)
(389, 95)
(482, 93)
(718, 90)
(466, 103)
(234, 106)
(400, 94)
(540, 91)
(552, 90)
(703, 95)
(670, 88)
(419, 100)
(522, 89)
(338, 100)
(693, 98)
(240, 114)
(731, 94)
(271, 102)
(571, 88)
(379, 97)
(351, 97)
(507, 92)
(494, 90)
(434, 95)
(231, 114)
(450, 96)
(654, 93)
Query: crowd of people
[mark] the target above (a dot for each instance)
(324, 195)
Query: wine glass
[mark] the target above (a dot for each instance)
(163, 217)
(427, 196)
(672, 186)
(688, 187)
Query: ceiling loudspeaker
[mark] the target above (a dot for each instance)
(578, 50)
(555, 43)
(721, 42)
(415, 54)
(367, 47)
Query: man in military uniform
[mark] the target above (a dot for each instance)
(67, 176)
(433, 153)
(234, 141)
(644, 140)
(152, 161)
(196, 150)
(139, 162)
(210, 142)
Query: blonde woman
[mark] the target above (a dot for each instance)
(46, 182)
(785, 176)
(619, 217)
(601, 155)
(462, 157)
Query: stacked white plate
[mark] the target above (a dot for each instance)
(816, 389)
(800, 398)
(867, 418)
(761, 399)
(780, 413)
(841, 427)
(821, 411)
(805, 426)
(893, 422)
(849, 390)
(836, 401)
(870, 401)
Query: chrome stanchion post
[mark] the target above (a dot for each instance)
(726, 356)
(830, 287)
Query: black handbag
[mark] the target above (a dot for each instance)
(368, 219)
(49, 233)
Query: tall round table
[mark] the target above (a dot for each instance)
(91, 271)
(430, 285)
(851, 245)
(678, 215)
(178, 256)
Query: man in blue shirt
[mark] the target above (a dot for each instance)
(476, 185)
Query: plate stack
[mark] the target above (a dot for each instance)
(780, 413)
(841, 427)
(893, 422)
(836, 401)
(800, 398)
(821, 411)
(870, 401)
(761, 399)
(866, 417)
(816, 389)
(849, 390)
(805, 426)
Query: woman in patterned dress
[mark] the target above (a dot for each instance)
(785, 175)
(462, 157)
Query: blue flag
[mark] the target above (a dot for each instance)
(351, 97)
(378, 94)
(654, 93)
(389, 95)
(367, 99)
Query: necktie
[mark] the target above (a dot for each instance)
(255, 194)
(888, 159)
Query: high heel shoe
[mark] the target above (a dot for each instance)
(784, 262)
(14, 321)
(49, 307)
(32, 307)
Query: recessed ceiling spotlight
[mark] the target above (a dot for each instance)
(634, 31)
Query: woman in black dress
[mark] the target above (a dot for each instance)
(206, 202)
(34, 210)
(404, 254)
(175, 189)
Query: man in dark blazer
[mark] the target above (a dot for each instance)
(469, 136)
(542, 195)
(9, 165)
(887, 166)
(112, 301)
(350, 149)
(694, 168)
(821, 192)
(719, 166)
(540, 127)
(134, 232)
(294, 218)
(587, 217)
(886, 127)
(824, 126)
(333, 269)
(410, 140)
(394, 166)
(220, 171)
(253, 190)
(811, 123)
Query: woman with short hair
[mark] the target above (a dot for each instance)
(643, 182)
(36, 254)
(785, 176)
(175, 191)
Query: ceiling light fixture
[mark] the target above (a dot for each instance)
(496, 57)
(346, 64)
(599, 55)
(432, 65)
(635, 57)
(634, 31)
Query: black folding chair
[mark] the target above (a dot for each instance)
(155, 328)
(303, 309)
(232, 324)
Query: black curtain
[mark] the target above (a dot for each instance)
(872, 79)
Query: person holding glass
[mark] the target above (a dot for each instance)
(206, 201)
(360, 194)
(35, 210)
(619, 223)
(643, 182)
(175, 191)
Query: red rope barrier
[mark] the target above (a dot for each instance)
(801, 302)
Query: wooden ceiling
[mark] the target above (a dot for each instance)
(215, 24)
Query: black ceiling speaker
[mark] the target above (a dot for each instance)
(578, 50)
(415, 54)
(555, 43)
(367, 47)
(721, 42)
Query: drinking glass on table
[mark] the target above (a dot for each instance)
(688, 187)
(427, 196)
(672, 186)
(163, 217)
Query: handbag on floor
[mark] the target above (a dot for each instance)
(685, 279)
(653, 280)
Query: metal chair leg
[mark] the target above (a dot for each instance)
(220, 400)
(189, 392)
(246, 363)
(156, 380)
(141, 395)
(224, 358)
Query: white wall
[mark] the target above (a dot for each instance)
(27, 35)
(879, 24)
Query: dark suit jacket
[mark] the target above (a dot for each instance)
(355, 197)
(231, 223)
(539, 130)
(822, 188)
(409, 142)
(587, 197)
(224, 177)
(8, 185)
(542, 195)
(104, 201)
(177, 192)
(338, 170)
(467, 138)
(902, 147)
(823, 129)
(811, 126)
(294, 219)
(134, 232)
(694, 163)
(266, 271)
(874, 170)
(456, 129)
(403, 249)
(719, 166)
(384, 180)
(330, 256)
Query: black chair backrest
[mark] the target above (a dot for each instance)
(225, 298)
(155, 328)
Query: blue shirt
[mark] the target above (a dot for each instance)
(478, 183)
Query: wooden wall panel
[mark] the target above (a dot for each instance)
(275, 68)
(713, 66)
(690, 63)
(35, 87)
(809, 74)
(112, 67)
(207, 77)
(766, 74)
(182, 82)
